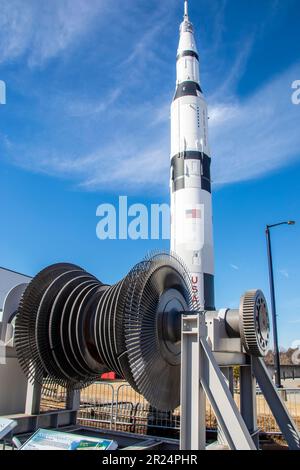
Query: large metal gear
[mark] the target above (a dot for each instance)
(70, 328)
(254, 323)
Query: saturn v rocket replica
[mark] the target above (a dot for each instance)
(191, 201)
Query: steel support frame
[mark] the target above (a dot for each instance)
(201, 377)
(228, 375)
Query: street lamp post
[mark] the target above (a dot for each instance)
(273, 302)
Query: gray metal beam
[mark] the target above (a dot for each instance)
(73, 400)
(278, 408)
(223, 404)
(193, 402)
(228, 376)
(248, 401)
(33, 398)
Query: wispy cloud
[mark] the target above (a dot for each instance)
(117, 139)
(255, 136)
(235, 267)
(85, 107)
(235, 72)
(41, 30)
(248, 138)
(284, 273)
(143, 45)
(4, 140)
(131, 170)
(121, 165)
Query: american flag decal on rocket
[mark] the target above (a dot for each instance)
(193, 214)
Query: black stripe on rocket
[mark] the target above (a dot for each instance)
(178, 170)
(187, 54)
(187, 89)
(209, 292)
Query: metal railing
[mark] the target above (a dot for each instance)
(117, 406)
(97, 403)
(53, 397)
(265, 419)
(134, 412)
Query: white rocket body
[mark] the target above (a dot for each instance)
(191, 201)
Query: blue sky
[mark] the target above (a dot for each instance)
(89, 87)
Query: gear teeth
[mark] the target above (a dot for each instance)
(251, 333)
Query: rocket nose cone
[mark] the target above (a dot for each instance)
(186, 25)
(186, 10)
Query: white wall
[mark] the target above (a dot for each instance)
(8, 280)
(13, 394)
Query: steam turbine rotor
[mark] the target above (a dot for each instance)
(71, 328)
